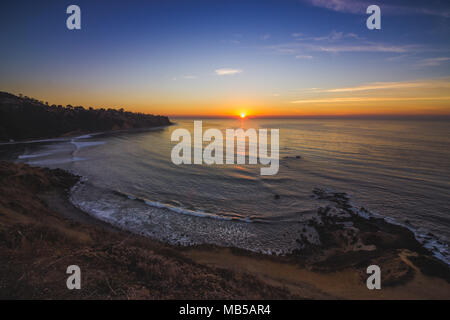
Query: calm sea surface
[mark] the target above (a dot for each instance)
(399, 169)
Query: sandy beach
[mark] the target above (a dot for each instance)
(41, 233)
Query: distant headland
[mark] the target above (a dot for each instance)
(23, 118)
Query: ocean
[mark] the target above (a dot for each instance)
(396, 169)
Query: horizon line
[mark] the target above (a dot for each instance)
(329, 116)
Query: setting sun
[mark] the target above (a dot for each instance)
(243, 115)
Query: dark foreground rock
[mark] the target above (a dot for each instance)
(350, 237)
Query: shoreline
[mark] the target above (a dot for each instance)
(80, 135)
(102, 248)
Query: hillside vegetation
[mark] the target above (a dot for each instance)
(27, 118)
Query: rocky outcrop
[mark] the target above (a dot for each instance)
(351, 237)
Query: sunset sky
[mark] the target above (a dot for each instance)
(303, 57)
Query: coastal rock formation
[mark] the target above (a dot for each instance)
(27, 118)
(351, 237)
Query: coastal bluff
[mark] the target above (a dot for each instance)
(23, 118)
(41, 233)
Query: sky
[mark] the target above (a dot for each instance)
(223, 58)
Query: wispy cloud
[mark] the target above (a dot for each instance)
(399, 57)
(301, 48)
(265, 36)
(232, 41)
(369, 99)
(297, 34)
(346, 6)
(369, 47)
(437, 83)
(386, 86)
(430, 7)
(331, 37)
(227, 71)
(433, 62)
(187, 77)
(339, 42)
(303, 57)
(235, 39)
(434, 89)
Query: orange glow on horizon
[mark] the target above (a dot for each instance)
(429, 97)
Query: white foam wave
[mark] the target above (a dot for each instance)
(36, 155)
(180, 210)
(47, 162)
(35, 141)
(81, 145)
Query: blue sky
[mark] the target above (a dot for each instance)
(225, 57)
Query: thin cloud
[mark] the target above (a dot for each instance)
(397, 7)
(435, 83)
(337, 42)
(433, 62)
(335, 36)
(303, 57)
(233, 41)
(345, 6)
(227, 72)
(373, 47)
(187, 77)
(417, 90)
(302, 48)
(378, 86)
(369, 99)
(396, 58)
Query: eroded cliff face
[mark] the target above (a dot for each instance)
(27, 118)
